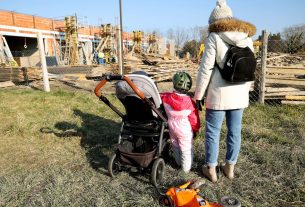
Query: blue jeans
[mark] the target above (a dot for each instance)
(214, 119)
(101, 61)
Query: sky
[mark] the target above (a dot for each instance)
(161, 15)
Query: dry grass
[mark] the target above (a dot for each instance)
(70, 169)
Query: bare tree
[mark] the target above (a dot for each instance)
(188, 40)
(204, 32)
(180, 36)
(295, 38)
(170, 34)
(199, 33)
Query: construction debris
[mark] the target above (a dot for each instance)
(284, 78)
(278, 59)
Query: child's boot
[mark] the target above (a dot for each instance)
(186, 160)
(210, 173)
(228, 170)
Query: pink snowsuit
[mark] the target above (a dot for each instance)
(183, 121)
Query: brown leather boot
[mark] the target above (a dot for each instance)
(228, 170)
(210, 173)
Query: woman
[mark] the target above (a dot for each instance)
(223, 99)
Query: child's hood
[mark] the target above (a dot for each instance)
(178, 102)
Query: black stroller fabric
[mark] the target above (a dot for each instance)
(141, 125)
(133, 105)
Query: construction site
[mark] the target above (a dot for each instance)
(71, 49)
(118, 104)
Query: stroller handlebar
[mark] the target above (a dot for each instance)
(134, 88)
(117, 77)
(98, 87)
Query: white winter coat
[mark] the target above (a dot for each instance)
(220, 94)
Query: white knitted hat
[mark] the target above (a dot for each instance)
(221, 11)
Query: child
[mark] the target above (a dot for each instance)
(183, 119)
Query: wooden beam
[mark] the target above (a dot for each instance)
(298, 98)
(6, 84)
(284, 94)
(300, 71)
(281, 89)
(287, 82)
(281, 76)
(285, 67)
(293, 102)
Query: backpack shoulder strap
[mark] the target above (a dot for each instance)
(230, 46)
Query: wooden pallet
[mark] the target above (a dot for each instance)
(286, 84)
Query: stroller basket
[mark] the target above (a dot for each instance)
(140, 156)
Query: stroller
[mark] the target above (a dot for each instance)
(143, 139)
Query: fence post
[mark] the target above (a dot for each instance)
(262, 75)
(25, 75)
(43, 62)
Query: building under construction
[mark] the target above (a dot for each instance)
(66, 41)
(63, 39)
(69, 41)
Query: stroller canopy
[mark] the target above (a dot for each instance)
(145, 84)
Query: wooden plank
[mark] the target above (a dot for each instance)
(287, 82)
(281, 89)
(285, 78)
(288, 93)
(285, 67)
(299, 98)
(293, 102)
(6, 84)
(281, 76)
(286, 71)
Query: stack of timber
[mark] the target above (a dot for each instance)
(9, 74)
(17, 75)
(286, 84)
(164, 70)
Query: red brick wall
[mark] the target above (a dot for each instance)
(28, 21)
(6, 18)
(43, 23)
(9, 18)
(22, 20)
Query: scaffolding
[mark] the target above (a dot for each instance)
(106, 44)
(137, 41)
(152, 41)
(71, 54)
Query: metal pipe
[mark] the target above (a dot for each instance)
(121, 59)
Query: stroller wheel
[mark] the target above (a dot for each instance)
(113, 166)
(227, 201)
(157, 172)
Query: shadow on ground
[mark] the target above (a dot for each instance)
(98, 135)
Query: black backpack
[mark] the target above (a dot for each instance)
(239, 66)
